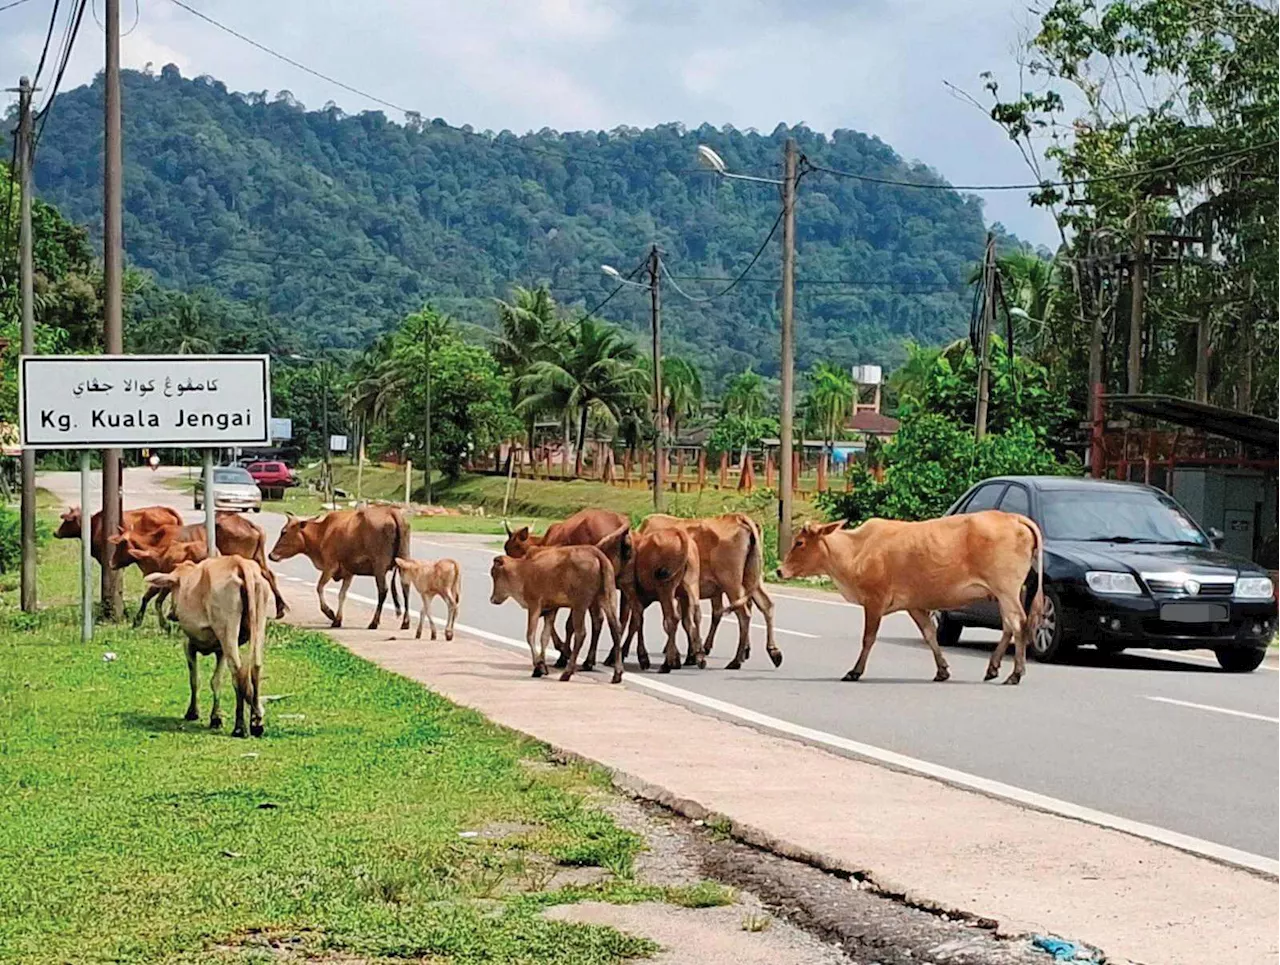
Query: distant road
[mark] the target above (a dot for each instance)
(1164, 740)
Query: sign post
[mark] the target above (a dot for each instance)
(86, 553)
(87, 402)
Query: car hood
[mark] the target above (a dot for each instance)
(1151, 557)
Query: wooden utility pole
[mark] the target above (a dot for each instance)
(26, 274)
(426, 462)
(112, 277)
(659, 444)
(1137, 292)
(786, 480)
(986, 322)
(1200, 390)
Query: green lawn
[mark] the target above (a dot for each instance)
(129, 835)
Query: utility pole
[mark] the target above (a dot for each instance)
(785, 459)
(659, 448)
(1203, 349)
(986, 323)
(1137, 286)
(26, 275)
(325, 377)
(426, 462)
(112, 276)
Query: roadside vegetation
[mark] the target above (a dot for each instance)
(375, 818)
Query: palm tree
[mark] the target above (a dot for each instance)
(830, 398)
(745, 396)
(681, 390)
(594, 371)
(1030, 283)
(529, 331)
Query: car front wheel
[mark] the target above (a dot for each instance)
(1240, 659)
(1049, 642)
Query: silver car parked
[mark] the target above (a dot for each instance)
(233, 489)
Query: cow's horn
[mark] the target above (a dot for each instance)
(507, 527)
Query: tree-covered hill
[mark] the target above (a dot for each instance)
(337, 225)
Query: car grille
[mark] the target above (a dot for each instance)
(1210, 588)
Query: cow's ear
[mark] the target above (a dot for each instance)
(165, 581)
(117, 539)
(499, 562)
(828, 528)
(522, 533)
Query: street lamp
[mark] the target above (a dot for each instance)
(790, 179)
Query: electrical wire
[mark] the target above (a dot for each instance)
(741, 275)
(10, 6)
(5, 237)
(73, 30)
(48, 37)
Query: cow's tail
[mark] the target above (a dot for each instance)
(1035, 613)
(401, 548)
(753, 570)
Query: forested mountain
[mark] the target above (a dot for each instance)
(337, 225)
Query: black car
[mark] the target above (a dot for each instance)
(1125, 565)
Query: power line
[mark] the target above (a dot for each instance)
(69, 36)
(48, 37)
(741, 275)
(10, 6)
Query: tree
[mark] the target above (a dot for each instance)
(745, 396)
(529, 330)
(829, 400)
(594, 373)
(681, 390)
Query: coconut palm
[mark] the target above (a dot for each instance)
(745, 396)
(529, 331)
(681, 390)
(593, 372)
(830, 399)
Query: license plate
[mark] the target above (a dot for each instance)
(1194, 613)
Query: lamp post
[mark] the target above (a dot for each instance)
(788, 183)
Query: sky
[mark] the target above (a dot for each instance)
(876, 66)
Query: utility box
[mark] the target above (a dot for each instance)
(1239, 502)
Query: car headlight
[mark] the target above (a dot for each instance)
(1254, 588)
(1120, 584)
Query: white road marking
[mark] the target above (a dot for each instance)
(948, 775)
(1216, 710)
(1179, 655)
(808, 599)
(794, 633)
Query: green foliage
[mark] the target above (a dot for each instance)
(828, 401)
(340, 225)
(735, 433)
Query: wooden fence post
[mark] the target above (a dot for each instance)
(769, 473)
(822, 473)
(724, 470)
(702, 469)
(747, 478)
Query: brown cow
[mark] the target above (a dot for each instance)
(432, 578)
(663, 566)
(939, 564)
(587, 527)
(579, 578)
(140, 521)
(729, 565)
(164, 558)
(347, 543)
(222, 606)
(234, 535)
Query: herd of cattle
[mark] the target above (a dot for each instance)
(584, 565)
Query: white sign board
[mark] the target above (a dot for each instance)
(337, 443)
(153, 401)
(281, 429)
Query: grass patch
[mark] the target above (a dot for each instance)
(129, 835)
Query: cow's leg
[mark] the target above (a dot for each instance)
(451, 599)
(380, 579)
(742, 610)
(152, 591)
(281, 608)
(215, 685)
(624, 617)
(342, 602)
(423, 613)
(1013, 618)
(530, 634)
(615, 631)
(597, 624)
(691, 620)
(924, 620)
(872, 615)
(193, 677)
(325, 577)
(670, 651)
(578, 618)
(426, 608)
(256, 712)
(562, 646)
(717, 614)
(764, 603)
(404, 620)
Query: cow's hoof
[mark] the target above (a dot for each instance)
(587, 665)
(280, 612)
(255, 730)
(191, 714)
(335, 624)
(942, 674)
(215, 723)
(617, 677)
(239, 732)
(776, 657)
(851, 675)
(734, 664)
(1013, 679)
(433, 635)
(373, 625)
(666, 667)
(562, 661)
(643, 661)
(448, 635)
(746, 655)
(992, 673)
(404, 625)
(566, 676)
(701, 662)
(539, 670)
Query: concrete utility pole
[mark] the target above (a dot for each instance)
(26, 273)
(659, 420)
(786, 483)
(986, 323)
(1137, 292)
(1203, 348)
(112, 276)
(426, 462)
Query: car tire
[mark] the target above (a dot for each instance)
(1240, 659)
(1110, 649)
(1049, 643)
(948, 629)
(257, 509)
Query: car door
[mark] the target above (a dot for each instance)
(989, 496)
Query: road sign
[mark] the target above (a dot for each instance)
(281, 430)
(337, 443)
(128, 401)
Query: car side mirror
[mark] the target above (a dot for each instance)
(1216, 536)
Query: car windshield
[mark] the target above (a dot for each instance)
(232, 476)
(1118, 515)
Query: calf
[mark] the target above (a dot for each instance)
(140, 521)
(729, 565)
(222, 606)
(154, 559)
(432, 578)
(662, 566)
(233, 534)
(940, 564)
(347, 543)
(579, 578)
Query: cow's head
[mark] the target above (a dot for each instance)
(806, 557)
(126, 549)
(170, 580)
(501, 574)
(292, 539)
(69, 528)
(518, 541)
(618, 548)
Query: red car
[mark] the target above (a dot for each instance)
(272, 475)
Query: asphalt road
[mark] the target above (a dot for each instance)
(1166, 740)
